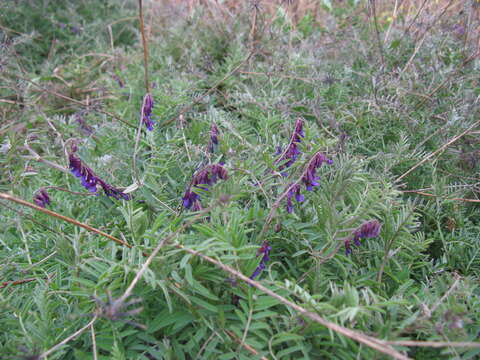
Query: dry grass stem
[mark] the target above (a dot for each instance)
(16, 282)
(145, 46)
(62, 217)
(67, 339)
(433, 344)
(245, 346)
(439, 150)
(352, 334)
(440, 196)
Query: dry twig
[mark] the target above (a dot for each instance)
(442, 148)
(352, 334)
(443, 197)
(145, 47)
(245, 346)
(67, 339)
(62, 217)
(116, 117)
(382, 346)
(434, 344)
(16, 282)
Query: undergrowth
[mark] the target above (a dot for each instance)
(385, 112)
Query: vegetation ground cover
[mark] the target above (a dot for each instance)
(309, 187)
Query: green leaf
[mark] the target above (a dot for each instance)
(285, 337)
(204, 304)
(165, 318)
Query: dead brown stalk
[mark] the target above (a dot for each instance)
(62, 217)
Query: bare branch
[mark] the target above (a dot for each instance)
(67, 339)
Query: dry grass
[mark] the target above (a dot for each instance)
(417, 19)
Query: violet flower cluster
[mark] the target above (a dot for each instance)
(291, 153)
(367, 230)
(309, 179)
(147, 107)
(41, 198)
(90, 180)
(212, 145)
(294, 191)
(202, 179)
(265, 250)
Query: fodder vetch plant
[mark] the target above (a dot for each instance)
(223, 180)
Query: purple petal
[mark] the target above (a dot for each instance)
(356, 241)
(92, 188)
(348, 249)
(76, 172)
(39, 202)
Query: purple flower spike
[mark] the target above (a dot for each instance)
(212, 146)
(192, 200)
(294, 191)
(292, 151)
(310, 178)
(348, 247)
(369, 229)
(209, 175)
(299, 197)
(112, 191)
(265, 250)
(257, 271)
(41, 198)
(91, 181)
(356, 241)
(147, 107)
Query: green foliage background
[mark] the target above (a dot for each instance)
(367, 116)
